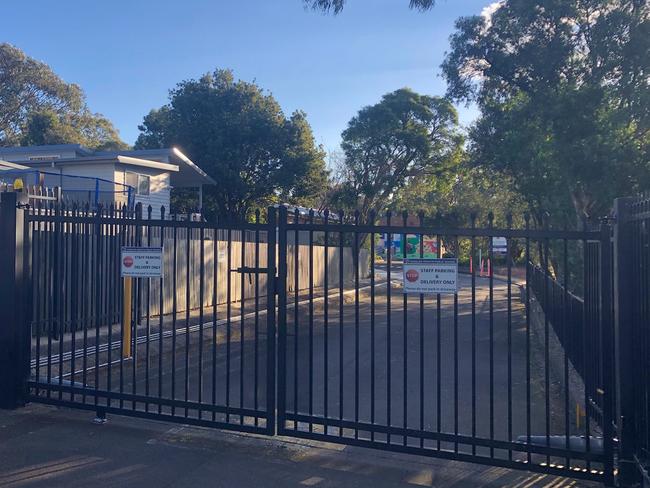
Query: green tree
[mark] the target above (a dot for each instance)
(468, 192)
(239, 135)
(387, 145)
(336, 6)
(563, 92)
(38, 107)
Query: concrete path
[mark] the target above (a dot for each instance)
(46, 447)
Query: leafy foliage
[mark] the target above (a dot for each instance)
(239, 135)
(388, 145)
(38, 107)
(468, 191)
(563, 88)
(336, 6)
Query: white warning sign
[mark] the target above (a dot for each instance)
(142, 262)
(431, 275)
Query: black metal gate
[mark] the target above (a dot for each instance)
(197, 348)
(514, 370)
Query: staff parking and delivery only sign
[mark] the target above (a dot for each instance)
(142, 262)
(431, 275)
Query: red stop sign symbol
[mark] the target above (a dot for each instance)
(412, 275)
(127, 261)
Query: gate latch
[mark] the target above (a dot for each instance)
(248, 270)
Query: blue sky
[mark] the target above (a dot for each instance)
(126, 55)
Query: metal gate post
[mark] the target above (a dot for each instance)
(281, 288)
(15, 300)
(624, 343)
(607, 339)
(270, 317)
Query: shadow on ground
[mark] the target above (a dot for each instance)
(49, 447)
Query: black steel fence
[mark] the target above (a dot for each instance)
(98, 344)
(463, 375)
(576, 323)
(491, 372)
(633, 331)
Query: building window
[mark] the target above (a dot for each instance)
(141, 183)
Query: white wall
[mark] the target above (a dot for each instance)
(159, 190)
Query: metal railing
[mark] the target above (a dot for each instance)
(633, 329)
(576, 322)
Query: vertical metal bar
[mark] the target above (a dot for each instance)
(473, 271)
(272, 290)
(388, 327)
(456, 387)
(201, 286)
(228, 317)
(341, 270)
(257, 313)
(566, 343)
(296, 300)
(372, 324)
(626, 369)
(421, 339)
(528, 285)
(509, 324)
(607, 332)
(215, 305)
(644, 345)
(86, 284)
(242, 324)
(48, 289)
(644, 298)
(491, 281)
(136, 308)
(547, 382)
(311, 319)
(60, 295)
(97, 308)
(15, 300)
(405, 338)
(586, 325)
(174, 310)
(112, 246)
(355, 261)
(325, 320)
(64, 287)
(37, 259)
(188, 305)
(438, 353)
(74, 290)
(147, 319)
(161, 311)
(124, 238)
(282, 318)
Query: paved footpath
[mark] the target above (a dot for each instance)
(48, 447)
